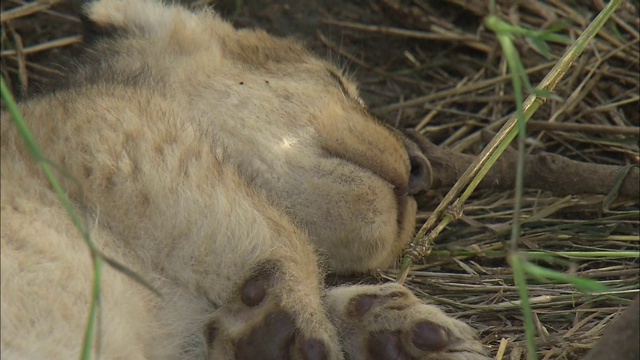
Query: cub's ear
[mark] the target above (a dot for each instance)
(173, 26)
(91, 31)
(140, 18)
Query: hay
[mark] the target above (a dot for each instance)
(431, 65)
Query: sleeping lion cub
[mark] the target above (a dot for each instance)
(229, 169)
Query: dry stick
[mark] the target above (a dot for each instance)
(422, 243)
(65, 41)
(468, 40)
(585, 128)
(455, 91)
(545, 171)
(496, 124)
(27, 9)
(23, 75)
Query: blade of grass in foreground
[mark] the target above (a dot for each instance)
(36, 154)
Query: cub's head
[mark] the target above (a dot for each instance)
(291, 124)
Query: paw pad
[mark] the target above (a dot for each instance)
(254, 290)
(386, 346)
(275, 338)
(313, 349)
(269, 340)
(428, 336)
(362, 305)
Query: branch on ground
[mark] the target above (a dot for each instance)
(545, 171)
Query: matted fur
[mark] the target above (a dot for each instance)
(200, 156)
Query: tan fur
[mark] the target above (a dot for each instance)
(197, 153)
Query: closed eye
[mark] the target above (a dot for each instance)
(338, 79)
(343, 88)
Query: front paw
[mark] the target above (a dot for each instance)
(388, 322)
(266, 320)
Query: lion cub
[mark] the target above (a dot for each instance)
(229, 169)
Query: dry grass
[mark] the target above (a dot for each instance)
(431, 65)
(452, 93)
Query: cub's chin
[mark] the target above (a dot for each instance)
(356, 220)
(378, 242)
(407, 211)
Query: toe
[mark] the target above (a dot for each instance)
(386, 346)
(254, 290)
(313, 349)
(269, 340)
(361, 305)
(428, 336)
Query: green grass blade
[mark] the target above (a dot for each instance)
(36, 153)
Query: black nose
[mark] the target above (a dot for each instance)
(420, 176)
